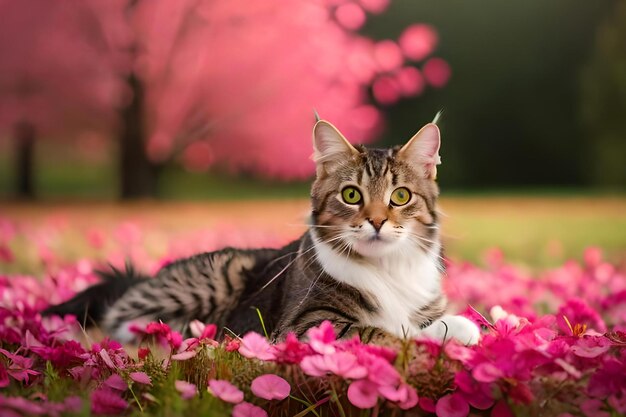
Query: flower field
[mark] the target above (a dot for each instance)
(554, 340)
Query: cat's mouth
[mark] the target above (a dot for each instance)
(374, 245)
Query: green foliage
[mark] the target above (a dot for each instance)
(603, 103)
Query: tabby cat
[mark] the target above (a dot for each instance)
(370, 259)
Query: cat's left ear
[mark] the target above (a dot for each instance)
(331, 148)
(423, 149)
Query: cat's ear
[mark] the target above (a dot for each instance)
(423, 150)
(331, 148)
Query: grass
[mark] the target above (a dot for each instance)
(65, 173)
(541, 231)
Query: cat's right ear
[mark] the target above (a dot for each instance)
(331, 148)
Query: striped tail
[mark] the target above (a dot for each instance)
(90, 305)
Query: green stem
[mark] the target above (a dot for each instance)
(136, 399)
(342, 413)
(262, 322)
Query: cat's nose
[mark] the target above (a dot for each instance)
(377, 222)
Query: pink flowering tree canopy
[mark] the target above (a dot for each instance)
(224, 84)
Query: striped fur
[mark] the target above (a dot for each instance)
(374, 263)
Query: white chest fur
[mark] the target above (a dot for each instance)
(401, 282)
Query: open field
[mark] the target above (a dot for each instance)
(538, 231)
(573, 313)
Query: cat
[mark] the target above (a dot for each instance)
(371, 258)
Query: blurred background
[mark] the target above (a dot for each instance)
(102, 100)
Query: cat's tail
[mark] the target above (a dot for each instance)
(90, 305)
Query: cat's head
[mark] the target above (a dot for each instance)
(372, 202)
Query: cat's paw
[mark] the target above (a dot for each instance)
(457, 327)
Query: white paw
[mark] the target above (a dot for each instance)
(457, 327)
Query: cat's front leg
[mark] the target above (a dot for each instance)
(457, 327)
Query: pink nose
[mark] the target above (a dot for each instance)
(377, 222)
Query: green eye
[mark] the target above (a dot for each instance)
(351, 195)
(400, 196)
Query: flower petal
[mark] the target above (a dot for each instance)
(245, 409)
(270, 387)
(363, 394)
(225, 391)
(253, 345)
(187, 389)
(140, 378)
(116, 382)
(452, 405)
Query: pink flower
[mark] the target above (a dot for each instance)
(143, 352)
(477, 394)
(116, 382)
(20, 367)
(231, 344)
(201, 330)
(157, 328)
(593, 256)
(62, 355)
(609, 379)
(486, 372)
(186, 349)
(405, 395)
(452, 405)
(128, 233)
(18, 406)
(6, 255)
(107, 401)
(437, 72)
(245, 409)
(379, 370)
(322, 338)
(418, 41)
(618, 403)
(270, 387)
(174, 339)
(579, 312)
(140, 378)
(186, 389)
(374, 6)
(225, 391)
(386, 353)
(161, 332)
(410, 400)
(591, 346)
(314, 365)
(107, 358)
(183, 356)
(363, 394)
(72, 404)
(350, 15)
(459, 352)
(594, 408)
(253, 345)
(96, 238)
(291, 350)
(427, 404)
(345, 364)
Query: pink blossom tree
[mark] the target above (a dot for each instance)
(212, 83)
(53, 80)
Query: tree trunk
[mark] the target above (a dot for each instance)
(138, 175)
(24, 160)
